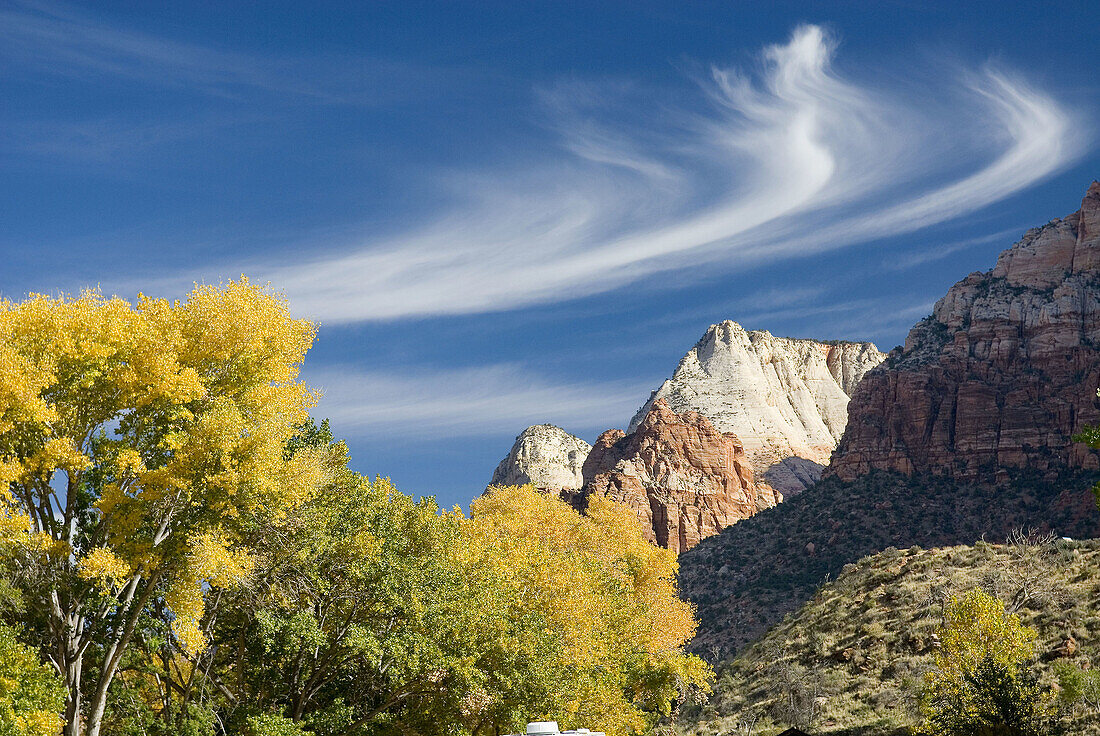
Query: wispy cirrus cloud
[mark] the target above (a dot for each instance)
(435, 403)
(56, 38)
(795, 160)
(928, 254)
(109, 139)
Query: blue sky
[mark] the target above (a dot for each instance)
(509, 213)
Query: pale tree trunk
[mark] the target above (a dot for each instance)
(113, 657)
(73, 715)
(68, 625)
(70, 646)
(86, 719)
(68, 659)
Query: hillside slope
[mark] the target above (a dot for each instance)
(863, 642)
(746, 578)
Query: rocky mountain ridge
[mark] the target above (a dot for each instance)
(786, 399)
(684, 478)
(963, 434)
(1001, 375)
(787, 396)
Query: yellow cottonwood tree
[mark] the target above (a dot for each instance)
(980, 683)
(141, 448)
(590, 604)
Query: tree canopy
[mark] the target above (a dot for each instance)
(184, 551)
(141, 449)
(605, 628)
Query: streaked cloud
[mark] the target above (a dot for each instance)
(771, 316)
(795, 160)
(109, 139)
(426, 403)
(62, 39)
(930, 253)
(483, 400)
(882, 317)
(749, 308)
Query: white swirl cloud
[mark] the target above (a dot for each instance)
(794, 160)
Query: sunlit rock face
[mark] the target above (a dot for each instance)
(547, 457)
(785, 399)
(1001, 375)
(685, 479)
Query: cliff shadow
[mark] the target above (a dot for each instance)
(792, 475)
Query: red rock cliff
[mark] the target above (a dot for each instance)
(1001, 375)
(684, 478)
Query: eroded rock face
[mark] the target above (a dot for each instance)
(684, 478)
(1001, 375)
(547, 457)
(785, 399)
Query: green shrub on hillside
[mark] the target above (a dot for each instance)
(1080, 688)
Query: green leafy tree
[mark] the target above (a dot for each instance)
(1079, 688)
(271, 725)
(362, 620)
(1008, 701)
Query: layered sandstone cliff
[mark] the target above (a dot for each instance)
(545, 456)
(785, 399)
(684, 478)
(972, 423)
(1001, 375)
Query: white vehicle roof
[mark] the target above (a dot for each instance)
(550, 728)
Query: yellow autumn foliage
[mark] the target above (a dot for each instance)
(154, 432)
(977, 631)
(38, 723)
(614, 623)
(211, 562)
(977, 626)
(104, 565)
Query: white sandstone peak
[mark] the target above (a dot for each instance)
(786, 399)
(546, 456)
